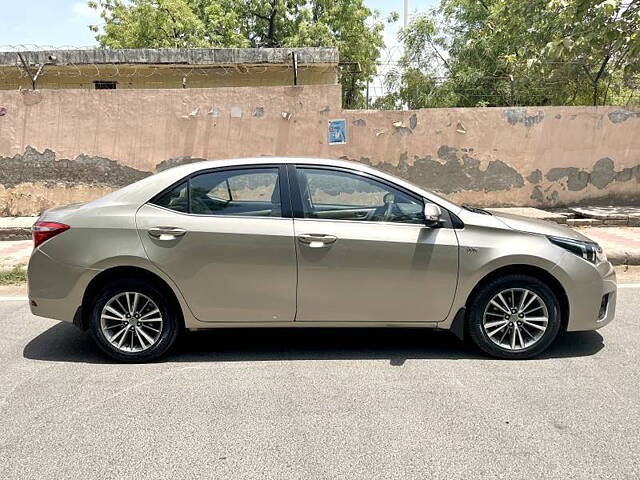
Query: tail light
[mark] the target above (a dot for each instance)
(43, 231)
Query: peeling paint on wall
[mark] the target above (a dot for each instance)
(175, 161)
(456, 173)
(33, 166)
(519, 115)
(535, 176)
(600, 176)
(619, 116)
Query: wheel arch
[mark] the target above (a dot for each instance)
(522, 269)
(127, 272)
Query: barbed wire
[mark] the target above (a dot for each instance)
(32, 47)
(388, 68)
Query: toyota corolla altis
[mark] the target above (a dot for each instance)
(299, 242)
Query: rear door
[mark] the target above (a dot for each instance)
(364, 252)
(225, 237)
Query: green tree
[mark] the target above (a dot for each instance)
(513, 52)
(346, 24)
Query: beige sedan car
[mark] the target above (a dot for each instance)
(299, 242)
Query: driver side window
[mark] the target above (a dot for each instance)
(339, 195)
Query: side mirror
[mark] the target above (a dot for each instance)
(432, 215)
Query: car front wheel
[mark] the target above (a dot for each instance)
(131, 321)
(514, 317)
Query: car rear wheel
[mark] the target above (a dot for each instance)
(514, 317)
(131, 321)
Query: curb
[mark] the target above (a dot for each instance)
(15, 233)
(621, 257)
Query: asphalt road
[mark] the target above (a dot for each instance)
(319, 404)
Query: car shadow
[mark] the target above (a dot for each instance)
(65, 343)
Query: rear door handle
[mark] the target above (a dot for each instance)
(166, 233)
(316, 240)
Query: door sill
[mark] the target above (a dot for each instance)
(313, 324)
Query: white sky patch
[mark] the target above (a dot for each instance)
(82, 13)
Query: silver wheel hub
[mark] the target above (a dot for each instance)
(515, 319)
(131, 322)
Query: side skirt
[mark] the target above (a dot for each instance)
(210, 325)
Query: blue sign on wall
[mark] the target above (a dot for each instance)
(337, 132)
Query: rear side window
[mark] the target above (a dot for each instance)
(244, 192)
(175, 199)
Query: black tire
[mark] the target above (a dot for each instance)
(168, 332)
(479, 303)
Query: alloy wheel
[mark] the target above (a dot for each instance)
(515, 319)
(131, 322)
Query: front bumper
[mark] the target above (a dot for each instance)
(586, 285)
(56, 289)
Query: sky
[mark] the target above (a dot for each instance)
(62, 23)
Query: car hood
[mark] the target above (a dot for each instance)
(540, 227)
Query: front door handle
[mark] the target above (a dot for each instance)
(166, 233)
(316, 240)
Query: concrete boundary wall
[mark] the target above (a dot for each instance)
(63, 146)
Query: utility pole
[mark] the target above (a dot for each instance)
(406, 21)
(367, 94)
(406, 13)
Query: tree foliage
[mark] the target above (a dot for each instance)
(514, 52)
(346, 24)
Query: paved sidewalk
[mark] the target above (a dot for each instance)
(609, 215)
(14, 253)
(621, 244)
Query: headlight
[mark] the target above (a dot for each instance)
(590, 251)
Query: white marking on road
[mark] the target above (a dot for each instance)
(629, 285)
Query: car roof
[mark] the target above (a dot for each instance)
(202, 165)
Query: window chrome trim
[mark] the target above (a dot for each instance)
(366, 222)
(215, 216)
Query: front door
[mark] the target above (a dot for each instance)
(226, 240)
(364, 252)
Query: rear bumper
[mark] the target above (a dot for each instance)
(56, 289)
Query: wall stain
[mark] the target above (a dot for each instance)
(535, 176)
(359, 122)
(537, 195)
(33, 166)
(454, 173)
(622, 115)
(401, 129)
(602, 174)
(519, 115)
(413, 121)
(176, 161)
